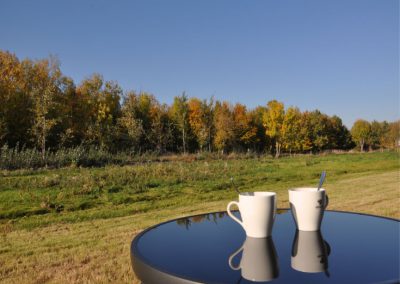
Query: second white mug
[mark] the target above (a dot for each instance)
(258, 211)
(308, 205)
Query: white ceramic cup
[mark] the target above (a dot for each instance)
(310, 252)
(308, 205)
(259, 260)
(258, 211)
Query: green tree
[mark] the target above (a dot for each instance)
(361, 131)
(377, 134)
(339, 135)
(180, 112)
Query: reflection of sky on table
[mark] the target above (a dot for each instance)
(364, 249)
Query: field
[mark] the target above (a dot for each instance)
(75, 224)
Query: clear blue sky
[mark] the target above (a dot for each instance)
(338, 56)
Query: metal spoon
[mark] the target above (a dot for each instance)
(321, 179)
(234, 187)
(237, 190)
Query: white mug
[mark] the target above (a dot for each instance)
(310, 252)
(258, 210)
(259, 260)
(308, 206)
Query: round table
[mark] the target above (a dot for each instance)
(212, 248)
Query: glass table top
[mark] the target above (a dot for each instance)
(212, 248)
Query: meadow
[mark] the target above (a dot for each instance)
(75, 224)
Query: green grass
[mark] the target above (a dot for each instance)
(75, 224)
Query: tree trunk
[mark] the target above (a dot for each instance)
(183, 140)
(278, 149)
(209, 140)
(183, 133)
(362, 145)
(44, 139)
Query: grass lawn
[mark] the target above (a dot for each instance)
(76, 224)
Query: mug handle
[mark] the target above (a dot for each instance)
(231, 258)
(328, 248)
(228, 210)
(326, 201)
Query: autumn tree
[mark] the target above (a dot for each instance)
(45, 76)
(291, 130)
(305, 136)
(224, 127)
(392, 136)
(245, 130)
(42, 108)
(201, 121)
(69, 109)
(16, 101)
(320, 128)
(103, 99)
(179, 113)
(361, 131)
(161, 130)
(273, 121)
(208, 119)
(130, 120)
(88, 92)
(260, 142)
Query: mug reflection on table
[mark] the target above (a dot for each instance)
(310, 252)
(259, 260)
(257, 210)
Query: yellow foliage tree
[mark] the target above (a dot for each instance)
(291, 130)
(273, 121)
(224, 126)
(245, 132)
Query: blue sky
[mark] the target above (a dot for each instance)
(338, 56)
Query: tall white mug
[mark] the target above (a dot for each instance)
(258, 211)
(308, 205)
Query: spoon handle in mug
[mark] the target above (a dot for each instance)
(326, 201)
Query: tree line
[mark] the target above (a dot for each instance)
(42, 108)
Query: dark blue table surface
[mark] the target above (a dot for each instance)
(359, 249)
